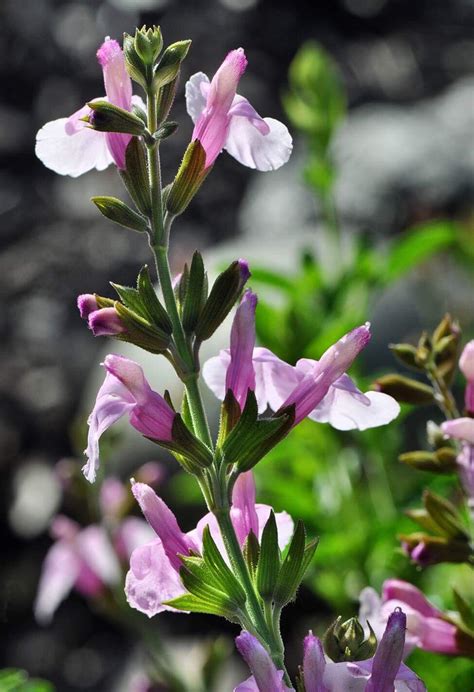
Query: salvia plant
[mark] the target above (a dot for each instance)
(242, 561)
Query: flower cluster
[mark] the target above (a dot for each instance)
(241, 561)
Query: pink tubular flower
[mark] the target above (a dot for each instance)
(240, 375)
(223, 119)
(69, 146)
(384, 672)
(80, 558)
(426, 626)
(320, 389)
(153, 577)
(266, 677)
(125, 390)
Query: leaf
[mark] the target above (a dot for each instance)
(118, 212)
(155, 310)
(269, 562)
(418, 245)
(293, 567)
(213, 559)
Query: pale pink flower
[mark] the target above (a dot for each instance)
(69, 146)
(225, 120)
(320, 389)
(83, 559)
(126, 391)
(385, 672)
(153, 577)
(426, 626)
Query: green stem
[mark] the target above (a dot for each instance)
(159, 243)
(255, 610)
(445, 398)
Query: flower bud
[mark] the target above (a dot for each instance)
(148, 43)
(425, 550)
(445, 516)
(404, 389)
(168, 67)
(106, 322)
(223, 296)
(86, 304)
(441, 461)
(189, 178)
(406, 354)
(345, 641)
(106, 117)
(117, 211)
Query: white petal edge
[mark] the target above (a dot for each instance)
(71, 154)
(263, 152)
(195, 98)
(348, 413)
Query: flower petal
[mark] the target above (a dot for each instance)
(240, 375)
(284, 522)
(163, 522)
(95, 550)
(388, 657)
(459, 429)
(214, 373)
(265, 673)
(265, 152)
(151, 579)
(113, 401)
(314, 664)
(70, 150)
(196, 95)
(347, 412)
(243, 512)
(60, 571)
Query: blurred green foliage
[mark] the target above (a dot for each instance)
(14, 680)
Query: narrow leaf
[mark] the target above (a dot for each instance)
(269, 562)
(117, 211)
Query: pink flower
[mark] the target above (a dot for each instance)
(426, 626)
(224, 120)
(384, 672)
(153, 577)
(240, 375)
(463, 429)
(319, 389)
(69, 146)
(126, 391)
(83, 559)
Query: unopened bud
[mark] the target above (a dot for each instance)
(406, 354)
(223, 296)
(148, 43)
(441, 461)
(345, 641)
(166, 130)
(404, 389)
(170, 63)
(466, 361)
(105, 117)
(119, 212)
(106, 322)
(189, 178)
(423, 350)
(445, 516)
(446, 328)
(425, 550)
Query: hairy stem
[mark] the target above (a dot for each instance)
(159, 243)
(255, 609)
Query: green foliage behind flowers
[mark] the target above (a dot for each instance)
(14, 680)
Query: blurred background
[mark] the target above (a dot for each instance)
(380, 101)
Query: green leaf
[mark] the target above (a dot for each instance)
(155, 310)
(118, 212)
(466, 610)
(269, 562)
(135, 176)
(195, 604)
(418, 245)
(229, 584)
(222, 297)
(131, 299)
(195, 294)
(445, 515)
(292, 569)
